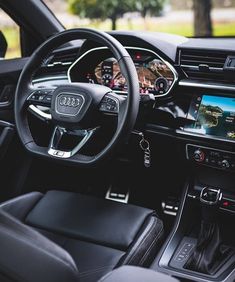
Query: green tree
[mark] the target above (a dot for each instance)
(101, 9)
(149, 7)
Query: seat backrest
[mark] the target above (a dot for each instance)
(26, 255)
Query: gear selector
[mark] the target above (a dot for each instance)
(210, 252)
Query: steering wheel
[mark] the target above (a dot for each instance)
(74, 106)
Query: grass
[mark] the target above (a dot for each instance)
(184, 29)
(220, 29)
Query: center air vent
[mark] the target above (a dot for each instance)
(203, 64)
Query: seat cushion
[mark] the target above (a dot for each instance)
(92, 260)
(100, 235)
(87, 218)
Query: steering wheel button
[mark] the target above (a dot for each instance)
(48, 98)
(103, 107)
(41, 97)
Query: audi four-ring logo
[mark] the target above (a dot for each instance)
(67, 101)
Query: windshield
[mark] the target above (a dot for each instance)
(191, 18)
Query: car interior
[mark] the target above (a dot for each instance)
(117, 154)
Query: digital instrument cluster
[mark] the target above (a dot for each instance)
(156, 76)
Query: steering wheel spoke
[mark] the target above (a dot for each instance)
(83, 135)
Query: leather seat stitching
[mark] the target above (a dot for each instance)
(132, 256)
(142, 242)
(93, 271)
(151, 246)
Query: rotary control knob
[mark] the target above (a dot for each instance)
(225, 164)
(199, 156)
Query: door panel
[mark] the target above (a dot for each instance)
(13, 159)
(9, 74)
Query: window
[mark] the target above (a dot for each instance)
(204, 18)
(10, 31)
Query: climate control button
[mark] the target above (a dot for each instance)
(199, 156)
(225, 164)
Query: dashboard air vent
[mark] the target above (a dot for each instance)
(57, 63)
(203, 64)
(60, 59)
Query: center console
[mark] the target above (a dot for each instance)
(201, 246)
(201, 123)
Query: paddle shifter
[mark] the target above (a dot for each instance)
(209, 253)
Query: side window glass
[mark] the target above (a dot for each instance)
(9, 37)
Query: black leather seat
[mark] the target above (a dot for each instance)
(86, 234)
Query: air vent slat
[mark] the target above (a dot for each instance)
(62, 58)
(197, 63)
(197, 57)
(57, 63)
(191, 59)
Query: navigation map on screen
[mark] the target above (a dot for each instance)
(216, 116)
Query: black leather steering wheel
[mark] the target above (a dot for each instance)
(75, 105)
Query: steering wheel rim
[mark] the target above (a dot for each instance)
(127, 118)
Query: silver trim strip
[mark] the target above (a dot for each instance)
(197, 67)
(120, 200)
(175, 74)
(58, 64)
(59, 153)
(219, 196)
(40, 113)
(87, 134)
(206, 85)
(48, 78)
(161, 262)
(208, 137)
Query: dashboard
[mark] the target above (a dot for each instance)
(156, 76)
(191, 80)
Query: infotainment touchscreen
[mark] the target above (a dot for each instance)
(214, 115)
